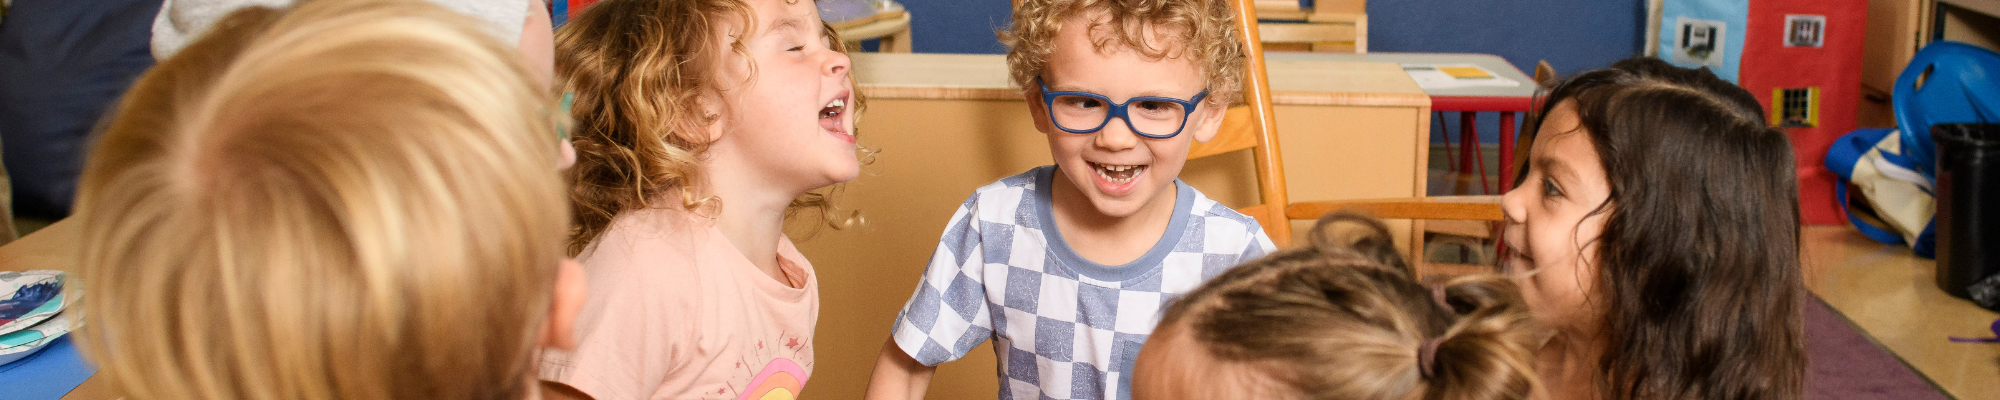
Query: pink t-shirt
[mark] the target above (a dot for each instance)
(676, 312)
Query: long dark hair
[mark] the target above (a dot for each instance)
(1698, 263)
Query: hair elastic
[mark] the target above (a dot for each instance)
(1427, 357)
(1427, 354)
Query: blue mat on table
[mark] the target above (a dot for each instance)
(47, 375)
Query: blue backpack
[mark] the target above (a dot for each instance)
(1894, 170)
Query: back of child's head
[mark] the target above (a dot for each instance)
(1200, 31)
(348, 199)
(1343, 318)
(1699, 274)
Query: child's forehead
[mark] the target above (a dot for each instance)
(772, 16)
(1107, 36)
(1086, 44)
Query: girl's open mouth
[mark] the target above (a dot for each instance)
(830, 117)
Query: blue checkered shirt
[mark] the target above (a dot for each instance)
(1063, 327)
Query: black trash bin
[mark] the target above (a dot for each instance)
(1968, 211)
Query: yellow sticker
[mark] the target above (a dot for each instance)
(1465, 72)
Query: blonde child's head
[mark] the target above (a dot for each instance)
(1202, 32)
(1341, 318)
(1123, 89)
(1656, 230)
(347, 199)
(668, 90)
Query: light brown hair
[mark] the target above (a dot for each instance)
(644, 74)
(352, 199)
(1343, 318)
(1201, 31)
(1698, 266)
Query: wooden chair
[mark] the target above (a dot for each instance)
(1334, 26)
(1252, 125)
(1481, 211)
(1460, 216)
(892, 28)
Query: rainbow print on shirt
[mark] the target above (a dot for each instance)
(782, 379)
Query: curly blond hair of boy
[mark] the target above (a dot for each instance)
(1201, 31)
(352, 199)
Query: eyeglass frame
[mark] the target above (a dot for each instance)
(1117, 110)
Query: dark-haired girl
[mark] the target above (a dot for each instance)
(1656, 231)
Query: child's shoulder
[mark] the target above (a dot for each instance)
(1215, 212)
(1025, 182)
(646, 236)
(1009, 193)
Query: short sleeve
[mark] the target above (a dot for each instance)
(629, 328)
(947, 316)
(1259, 244)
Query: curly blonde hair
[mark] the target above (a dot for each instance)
(641, 71)
(1202, 31)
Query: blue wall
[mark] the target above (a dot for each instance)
(957, 26)
(1573, 35)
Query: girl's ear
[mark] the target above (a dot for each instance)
(1211, 120)
(713, 104)
(571, 290)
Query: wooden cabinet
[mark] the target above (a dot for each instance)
(1897, 28)
(947, 123)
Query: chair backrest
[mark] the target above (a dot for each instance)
(1328, 26)
(1254, 126)
(1946, 82)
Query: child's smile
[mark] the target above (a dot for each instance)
(834, 117)
(1114, 170)
(1115, 179)
(788, 112)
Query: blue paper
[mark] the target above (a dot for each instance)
(1728, 20)
(47, 375)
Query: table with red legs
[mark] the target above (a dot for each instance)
(1511, 102)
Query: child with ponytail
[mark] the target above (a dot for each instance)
(1341, 318)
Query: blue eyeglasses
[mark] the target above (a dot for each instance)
(1148, 116)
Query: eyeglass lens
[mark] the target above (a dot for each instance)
(1149, 117)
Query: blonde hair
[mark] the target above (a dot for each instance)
(1201, 31)
(350, 199)
(643, 73)
(1343, 318)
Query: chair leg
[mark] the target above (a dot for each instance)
(1468, 147)
(898, 42)
(1506, 151)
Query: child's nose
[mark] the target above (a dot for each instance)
(1116, 135)
(1514, 204)
(838, 64)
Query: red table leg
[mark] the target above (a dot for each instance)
(1506, 151)
(1468, 140)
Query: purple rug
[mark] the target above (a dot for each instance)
(1842, 363)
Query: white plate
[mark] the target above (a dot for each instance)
(40, 289)
(19, 345)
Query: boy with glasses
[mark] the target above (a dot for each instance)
(1066, 267)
